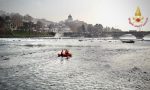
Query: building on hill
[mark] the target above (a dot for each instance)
(70, 19)
(60, 28)
(16, 21)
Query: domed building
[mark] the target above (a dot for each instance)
(70, 19)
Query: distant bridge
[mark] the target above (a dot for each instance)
(137, 34)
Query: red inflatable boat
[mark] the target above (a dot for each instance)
(65, 54)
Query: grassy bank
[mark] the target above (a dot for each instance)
(22, 34)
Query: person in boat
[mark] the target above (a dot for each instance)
(62, 53)
(66, 52)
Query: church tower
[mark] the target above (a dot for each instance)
(70, 19)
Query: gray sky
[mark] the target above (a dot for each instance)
(113, 13)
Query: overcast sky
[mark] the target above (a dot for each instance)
(113, 13)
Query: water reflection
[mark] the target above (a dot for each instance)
(64, 60)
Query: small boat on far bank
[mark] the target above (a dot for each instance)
(127, 41)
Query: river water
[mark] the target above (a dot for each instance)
(97, 64)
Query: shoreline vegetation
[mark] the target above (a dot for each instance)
(25, 34)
